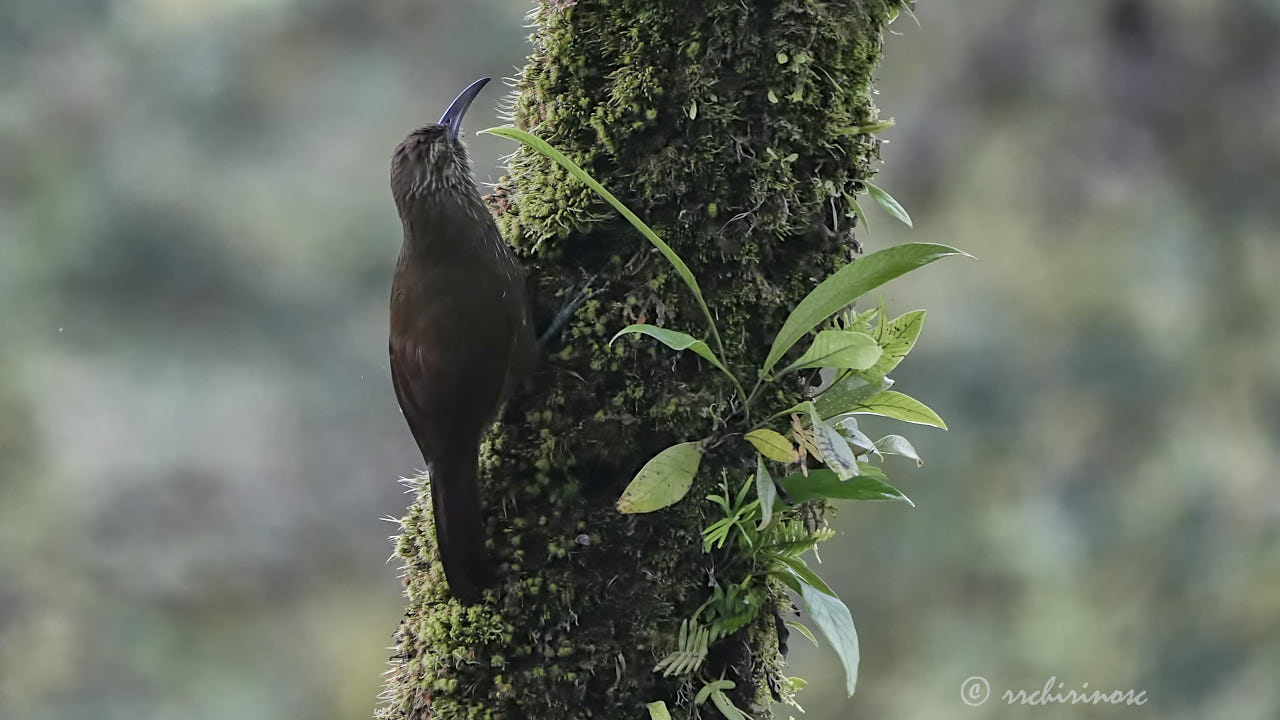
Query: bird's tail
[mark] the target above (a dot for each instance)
(455, 502)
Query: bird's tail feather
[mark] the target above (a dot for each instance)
(455, 503)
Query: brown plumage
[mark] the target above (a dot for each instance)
(460, 331)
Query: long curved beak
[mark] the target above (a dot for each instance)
(453, 116)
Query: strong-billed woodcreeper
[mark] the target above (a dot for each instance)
(461, 333)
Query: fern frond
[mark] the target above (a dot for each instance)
(690, 653)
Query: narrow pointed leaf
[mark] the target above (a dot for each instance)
(673, 339)
(806, 575)
(726, 706)
(766, 491)
(897, 337)
(848, 284)
(882, 314)
(898, 445)
(545, 149)
(869, 485)
(869, 129)
(772, 445)
(858, 213)
(836, 622)
(787, 578)
(803, 630)
(839, 349)
(677, 340)
(895, 405)
(891, 206)
(711, 687)
(663, 481)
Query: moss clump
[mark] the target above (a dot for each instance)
(726, 126)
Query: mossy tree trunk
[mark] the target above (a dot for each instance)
(728, 126)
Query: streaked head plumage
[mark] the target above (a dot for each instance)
(432, 161)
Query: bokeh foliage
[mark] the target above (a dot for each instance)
(197, 431)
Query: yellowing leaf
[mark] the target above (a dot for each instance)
(663, 480)
(897, 337)
(772, 445)
(658, 711)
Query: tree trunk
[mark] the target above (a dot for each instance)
(729, 126)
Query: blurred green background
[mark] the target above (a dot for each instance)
(198, 435)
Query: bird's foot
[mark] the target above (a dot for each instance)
(565, 314)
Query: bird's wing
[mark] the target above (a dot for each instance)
(449, 392)
(412, 391)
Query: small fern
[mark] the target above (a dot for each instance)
(690, 653)
(793, 539)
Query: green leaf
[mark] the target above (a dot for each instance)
(858, 213)
(836, 622)
(673, 339)
(726, 706)
(658, 711)
(898, 445)
(848, 284)
(897, 337)
(892, 404)
(772, 445)
(802, 571)
(766, 491)
(847, 393)
(789, 579)
(677, 340)
(836, 453)
(838, 349)
(690, 652)
(868, 485)
(711, 687)
(663, 480)
(881, 313)
(848, 427)
(803, 630)
(871, 128)
(891, 206)
(543, 148)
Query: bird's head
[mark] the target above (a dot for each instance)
(432, 161)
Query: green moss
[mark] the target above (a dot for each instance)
(573, 630)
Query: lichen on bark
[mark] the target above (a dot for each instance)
(726, 124)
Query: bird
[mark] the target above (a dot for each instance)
(461, 334)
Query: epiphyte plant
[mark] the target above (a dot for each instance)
(759, 533)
